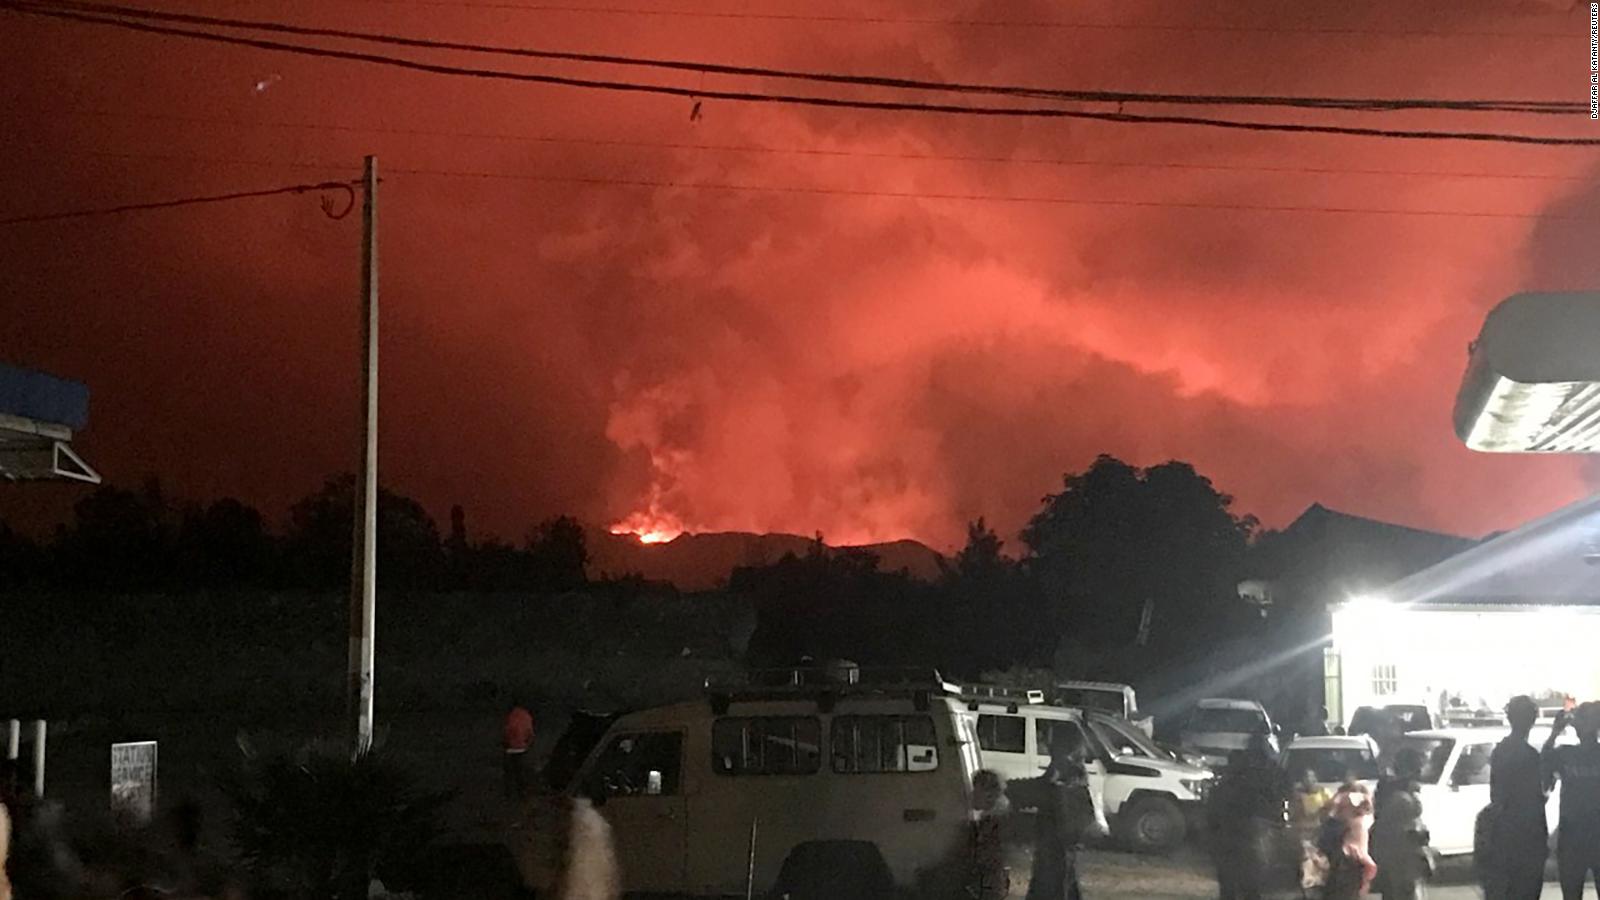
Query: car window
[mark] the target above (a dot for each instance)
(640, 764)
(1332, 764)
(1124, 740)
(766, 745)
(1241, 721)
(861, 744)
(1473, 766)
(1435, 755)
(1003, 734)
(1045, 728)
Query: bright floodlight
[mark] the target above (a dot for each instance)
(1368, 605)
(1533, 377)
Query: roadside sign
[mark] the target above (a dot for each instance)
(133, 780)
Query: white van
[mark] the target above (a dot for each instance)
(818, 768)
(1150, 798)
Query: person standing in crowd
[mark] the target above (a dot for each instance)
(1309, 809)
(1065, 817)
(517, 740)
(1511, 839)
(986, 876)
(1350, 865)
(1318, 725)
(1399, 840)
(1578, 768)
(1245, 805)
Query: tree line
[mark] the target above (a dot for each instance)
(141, 540)
(1121, 567)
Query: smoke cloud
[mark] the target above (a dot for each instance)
(879, 326)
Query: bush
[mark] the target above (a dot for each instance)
(310, 822)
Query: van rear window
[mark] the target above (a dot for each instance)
(766, 745)
(862, 744)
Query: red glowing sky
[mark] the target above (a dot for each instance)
(796, 359)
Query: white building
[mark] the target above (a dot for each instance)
(1516, 614)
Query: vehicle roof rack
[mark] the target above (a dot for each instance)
(834, 679)
(999, 693)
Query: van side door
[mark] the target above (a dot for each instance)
(638, 776)
(1094, 753)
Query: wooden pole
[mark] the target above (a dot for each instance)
(750, 865)
(364, 546)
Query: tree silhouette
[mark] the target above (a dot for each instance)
(119, 539)
(1117, 537)
(225, 544)
(980, 559)
(318, 544)
(21, 559)
(558, 555)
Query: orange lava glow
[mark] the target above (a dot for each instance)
(649, 528)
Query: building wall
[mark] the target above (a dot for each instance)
(1390, 654)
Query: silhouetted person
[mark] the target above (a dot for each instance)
(517, 741)
(1318, 725)
(1578, 767)
(986, 876)
(1350, 865)
(1246, 805)
(1512, 863)
(1065, 815)
(1399, 840)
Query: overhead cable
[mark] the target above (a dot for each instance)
(1364, 104)
(792, 99)
(185, 201)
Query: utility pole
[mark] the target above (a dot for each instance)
(364, 546)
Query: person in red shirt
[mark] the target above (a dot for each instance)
(518, 740)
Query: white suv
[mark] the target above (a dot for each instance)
(1150, 798)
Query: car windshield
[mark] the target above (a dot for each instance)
(1332, 764)
(1247, 721)
(1435, 754)
(1122, 739)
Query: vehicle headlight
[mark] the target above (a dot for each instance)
(1198, 786)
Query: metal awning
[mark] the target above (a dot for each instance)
(1532, 383)
(38, 415)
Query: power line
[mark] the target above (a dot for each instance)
(958, 23)
(817, 151)
(862, 193)
(184, 201)
(803, 100)
(877, 81)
